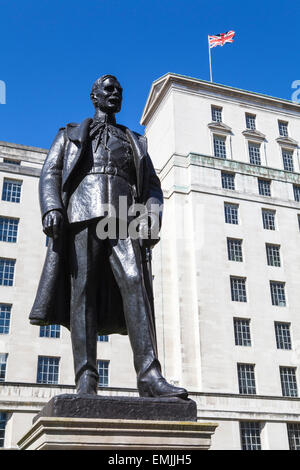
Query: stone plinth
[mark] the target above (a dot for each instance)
(119, 407)
(54, 433)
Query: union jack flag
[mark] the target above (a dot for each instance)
(221, 39)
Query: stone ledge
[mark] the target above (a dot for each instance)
(116, 434)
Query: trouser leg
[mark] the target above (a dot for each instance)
(83, 324)
(126, 264)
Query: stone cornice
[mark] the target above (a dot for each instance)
(287, 142)
(254, 135)
(20, 170)
(219, 127)
(230, 165)
(161, 86)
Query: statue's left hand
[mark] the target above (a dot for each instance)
(149, 230)
(52, 224)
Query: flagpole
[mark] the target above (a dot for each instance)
(209, 55)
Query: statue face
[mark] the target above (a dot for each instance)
(108, 96)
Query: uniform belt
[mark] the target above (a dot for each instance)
(109, 170)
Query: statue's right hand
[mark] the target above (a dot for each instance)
(52, 223)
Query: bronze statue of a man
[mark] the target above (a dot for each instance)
(90, 284)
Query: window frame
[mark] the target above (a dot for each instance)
(284, 340)
(250, 118)
(288, 160)
(216, 111)
(14, 193)
(254, 157)
(266, 220)
(246, 378)
(107, 377)
(261, 188)
(231, 213)
(238, 294)
(257, 427)
(273, 259)
(231, 179)
(9, 233)
(234, 253)
(287, 390)
(220, 151)
(54, 374)
(3, 366)
(275, 295)
(7, 275)
(283, 125)
(5, 321)
(242, 332)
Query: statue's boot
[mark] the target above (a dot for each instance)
(152, 384)
(87, 383)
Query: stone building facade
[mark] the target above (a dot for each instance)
(226, 272)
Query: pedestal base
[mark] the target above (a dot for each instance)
(119, 407)
(52, 433)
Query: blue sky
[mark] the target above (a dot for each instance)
(52, 51)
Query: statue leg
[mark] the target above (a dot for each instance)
(126, 264)
(83, 324)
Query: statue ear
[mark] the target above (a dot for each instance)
(93, 98)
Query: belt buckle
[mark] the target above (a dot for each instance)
(111, 170)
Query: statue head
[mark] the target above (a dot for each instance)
(106, 94)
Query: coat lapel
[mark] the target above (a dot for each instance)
(139, 149)
(77, 134)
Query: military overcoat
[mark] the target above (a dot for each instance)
(52, 302)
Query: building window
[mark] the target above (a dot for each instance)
(8, 229)
(238, 289)
(216, 114)
(11, 191)
(268, 217)
(11, 162)
(278, 293)
(228, 180)
(283, 335)
(296, 192)
(283, 128)
(246, 379)
(264, 187)
(250, 121)
(288, 381)
(7, 271)
(273, 255)
(3, 421)
(3, 361)
(242, 332)
(219, 146)
(103, 371)
(103, 338)
(47, 371)
(234, 248)
(5, 311)
(293, 430)
(250, 435)
(50, 331)
(254, 153)
(287, 158)
(231, 213)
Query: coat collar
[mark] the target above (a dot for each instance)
(78, 133)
